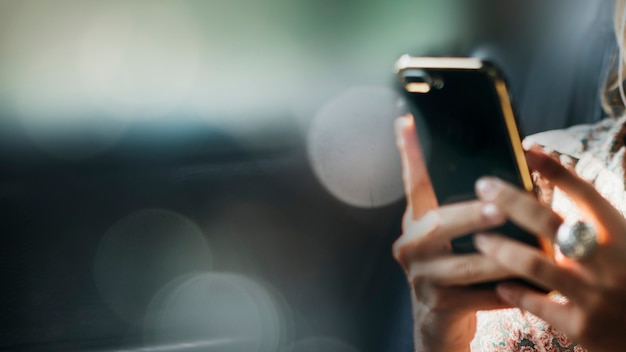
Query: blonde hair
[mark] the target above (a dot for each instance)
(614, 97)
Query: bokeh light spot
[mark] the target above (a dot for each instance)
(217, 307)
(352, 150)
(142, 253)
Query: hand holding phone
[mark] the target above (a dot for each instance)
(464, 111)
(463, 120)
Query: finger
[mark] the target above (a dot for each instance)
(459, 270)
(584, 195)
(457, 299)
(407, 218)
(418, 188)
(544, 189)
(431, 234)
(562, 316)
(531, 264)
(399, 126)
(413, 243)
(519, 206)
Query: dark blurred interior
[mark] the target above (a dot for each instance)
(222, 176)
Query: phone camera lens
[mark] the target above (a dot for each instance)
(437, 83)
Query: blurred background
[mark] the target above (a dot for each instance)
(213, 175)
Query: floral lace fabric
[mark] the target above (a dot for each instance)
(513, 330)
(595, 153)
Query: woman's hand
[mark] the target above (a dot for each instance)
(444, 306)
(595, 314)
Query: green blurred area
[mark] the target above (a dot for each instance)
(210, 55)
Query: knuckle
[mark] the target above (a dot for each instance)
(512, 196)
(468, 268)
(413, 240)
(540, 214)
(402, 251)
(508, 195)
(397, 251)
(551, 221)
(534, 266)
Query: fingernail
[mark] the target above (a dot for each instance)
(398, 131)
(481, 242)
(487, 188)
(492, 213)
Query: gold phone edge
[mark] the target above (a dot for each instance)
(468, 63)
(509, 119)
(518, 150)
(407, 62)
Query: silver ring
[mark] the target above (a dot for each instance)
(577, 240)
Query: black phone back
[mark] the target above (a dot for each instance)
(463, 114)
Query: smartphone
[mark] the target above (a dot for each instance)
(463, 110)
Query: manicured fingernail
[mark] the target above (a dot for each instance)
(481, 242)
(492, 213)
(487, 188)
